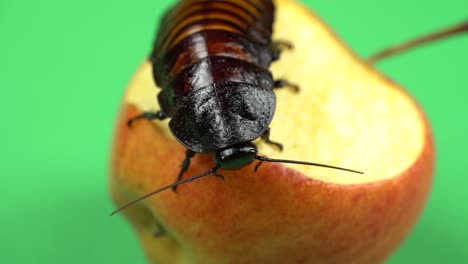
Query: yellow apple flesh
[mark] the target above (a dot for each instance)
(346, 114)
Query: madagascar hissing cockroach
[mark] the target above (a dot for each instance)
(211, 59)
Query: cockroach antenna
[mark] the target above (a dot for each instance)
(213, 170)
(265, 159)
(206, 173)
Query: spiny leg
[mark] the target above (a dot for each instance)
(281, 83)
(218, 175)
(266, 138)
(160, 115)
(184, 166)
(160, 230)
(278, 46)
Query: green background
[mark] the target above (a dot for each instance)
(64, 65)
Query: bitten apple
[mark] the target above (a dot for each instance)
(347, 114)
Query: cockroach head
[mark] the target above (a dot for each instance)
(236, 156)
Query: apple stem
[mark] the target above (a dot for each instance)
(431, 37)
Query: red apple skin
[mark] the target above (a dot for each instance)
(276, 215)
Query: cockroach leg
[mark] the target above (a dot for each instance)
(160, 115)
(278, 46)
(218, 175)
(266, 138)
(160, 231)
(184, 166)
(284, 83)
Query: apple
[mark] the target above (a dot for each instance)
(347, 114)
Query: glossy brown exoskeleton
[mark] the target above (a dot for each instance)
(211, 59)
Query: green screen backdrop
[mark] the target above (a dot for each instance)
(63, 68)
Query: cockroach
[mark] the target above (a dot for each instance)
(211, 59)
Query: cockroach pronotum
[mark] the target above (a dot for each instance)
(211, 59)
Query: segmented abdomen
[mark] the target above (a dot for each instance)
(201, 42)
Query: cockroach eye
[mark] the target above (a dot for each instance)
(235, 157)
